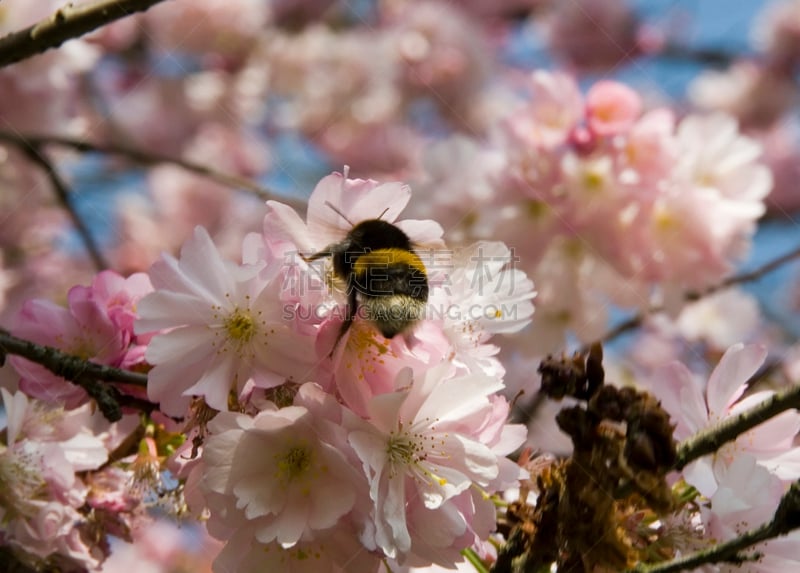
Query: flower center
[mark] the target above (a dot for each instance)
(21, 478)
(294, 463)
(403, 450)
(408, 454)
(240, 326)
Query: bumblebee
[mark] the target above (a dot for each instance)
(385, 281)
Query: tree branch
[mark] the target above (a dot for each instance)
(149, 158)
(88, 375)
(63, 193)
(707, 56)
(787, 518)
(692, 296)
(65, 24)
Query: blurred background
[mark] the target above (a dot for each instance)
(196, 111)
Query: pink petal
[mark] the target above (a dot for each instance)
(216, 382)
(168, 309)
(423, 233)
(292, 522)
(15, 406)
(727, 381)
(385, 201)
(680, 396)
(282, 223)
(331, 500)
(181, 345)
(700, 474)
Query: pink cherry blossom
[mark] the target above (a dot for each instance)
(225, 327)
(306, 493)
(746, 497)
(757, 95)
(484, 294)
(43, 452)
(216, 27)
(611, 108)
(310, 484)
(721, 320)
(365, 364)
(338, 550)
(84, 329)
(694, 406)
(355, 200)
(443, 53)
(420, 454)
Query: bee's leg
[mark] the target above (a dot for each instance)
(350, 315)
(314, 256)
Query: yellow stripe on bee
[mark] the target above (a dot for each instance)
(382, 258)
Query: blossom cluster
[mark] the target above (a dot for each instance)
(353, 447)
(278, 415)
(604, 199)
(311, 442)
(740, 485)
(309, 438)
(97, 325)
(58, 491)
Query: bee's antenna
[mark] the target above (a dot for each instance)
(338, 212)
(382, 214)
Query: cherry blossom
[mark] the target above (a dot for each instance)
(97, 325)
(44, 451)
(695, 406)
(420, 458)
(311, 483)
(537, 143)
(224, 328)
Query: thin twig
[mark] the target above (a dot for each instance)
(747, 277)
(64, 195)
(786, 519)
(65, 24)
(692, 296)
(150, 158)
(708, 56)
(88, 375)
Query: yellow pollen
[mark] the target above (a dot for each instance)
(593, 180)
(498, 313)
(80, 347)
(664, 220)
(240, 326)
(294, 463)
(366, 343)
(537, 209)
(401, 449)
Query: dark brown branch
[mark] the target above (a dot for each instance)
(63, 194)
(65, 24)
(149, 158)
(787, 518)
(691, 296)
(88, 375)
